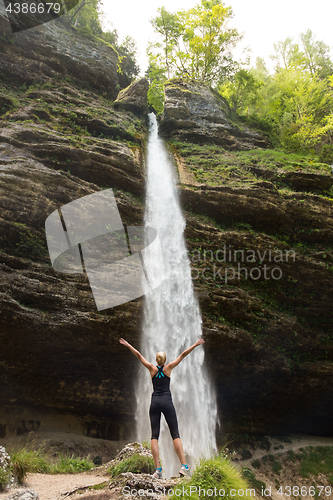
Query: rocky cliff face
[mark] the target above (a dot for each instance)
(268, 341)
(52, 51)
(61, 139)
(194, 112)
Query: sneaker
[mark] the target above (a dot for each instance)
(157, 474)
(184, 470)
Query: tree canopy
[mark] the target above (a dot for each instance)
(195, 43)
(296, 101)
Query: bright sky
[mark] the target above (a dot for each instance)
(263, 22)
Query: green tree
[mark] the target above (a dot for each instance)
(85, 16)
(298, 104)
(241, 91)
(168, 26)
(317, 55)
(127, 51)
(156, 76)
(197, 43)
(310, 55)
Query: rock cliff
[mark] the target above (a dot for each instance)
(194, 112)
(268, 341)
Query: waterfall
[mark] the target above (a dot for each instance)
(172, 321)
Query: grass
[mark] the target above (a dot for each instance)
(5, 476)
(310, 461)
(27, 459)
(250, 476)
(213, 473)
(213, 165)
(316, 460)
(138, 464)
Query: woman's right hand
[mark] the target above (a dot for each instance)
(123, 342)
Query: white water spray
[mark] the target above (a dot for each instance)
(172, 321)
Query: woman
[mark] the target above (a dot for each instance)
(161, 402)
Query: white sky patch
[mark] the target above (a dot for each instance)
(263, 22)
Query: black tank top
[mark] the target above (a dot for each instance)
(161, 383)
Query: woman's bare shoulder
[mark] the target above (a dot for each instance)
(167, 370)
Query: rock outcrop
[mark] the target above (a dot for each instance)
(134, 97)
(194, 112)
(23, 494)
(54, 51)
(300, 181)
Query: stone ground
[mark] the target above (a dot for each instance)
(61, 486)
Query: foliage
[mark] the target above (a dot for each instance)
(71, 464)
(316, 460)
(30, 244)
(136, 463)
(215, 166)
(294, 106)
(310, 55)
(250, 476)
(217, 473)
(242, 90)
(85, 16)
(156, 77)
(5, 468)
(326, 155)
(26, 459)
(196, 43)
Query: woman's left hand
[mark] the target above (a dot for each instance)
(199, 342)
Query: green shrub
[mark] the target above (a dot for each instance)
(5, 469)
(138, 464)
(5, 476)
(246, 454)
(71, 464)
(326, 155)
(316, 460)
(217, 473)
(249, 475)
(26, 460)
(276, 467)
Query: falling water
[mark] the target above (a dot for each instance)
(172, 321)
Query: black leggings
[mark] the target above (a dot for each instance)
(163, 404)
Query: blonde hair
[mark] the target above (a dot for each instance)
(160, 358)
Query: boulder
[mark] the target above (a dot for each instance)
(24, 495)
(134, 97)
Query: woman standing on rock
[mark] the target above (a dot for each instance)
(161, 402)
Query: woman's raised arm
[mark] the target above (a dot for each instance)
(183, 355)
(136, 353)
